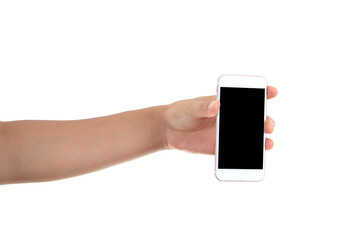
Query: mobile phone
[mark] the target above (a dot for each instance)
(240, 136)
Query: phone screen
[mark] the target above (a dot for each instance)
(241, 128)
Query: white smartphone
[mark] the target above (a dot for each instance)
(240, 136)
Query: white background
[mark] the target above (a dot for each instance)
(81, 59)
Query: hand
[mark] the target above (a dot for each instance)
(190, 125)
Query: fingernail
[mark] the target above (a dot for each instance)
(211, 105)
(210, 109)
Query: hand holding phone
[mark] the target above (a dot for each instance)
(240, 136)
(190, 124)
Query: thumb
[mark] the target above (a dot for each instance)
(200, 109)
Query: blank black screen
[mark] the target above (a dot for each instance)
(241, 128)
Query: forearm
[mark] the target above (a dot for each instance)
(49, 150)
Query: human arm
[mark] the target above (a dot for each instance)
(49, 150)
(34, 150)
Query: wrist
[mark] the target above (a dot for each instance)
(161, 126)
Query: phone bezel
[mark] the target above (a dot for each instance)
(241, 81)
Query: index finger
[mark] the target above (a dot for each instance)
(272, 92)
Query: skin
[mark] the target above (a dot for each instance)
(34, 150)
